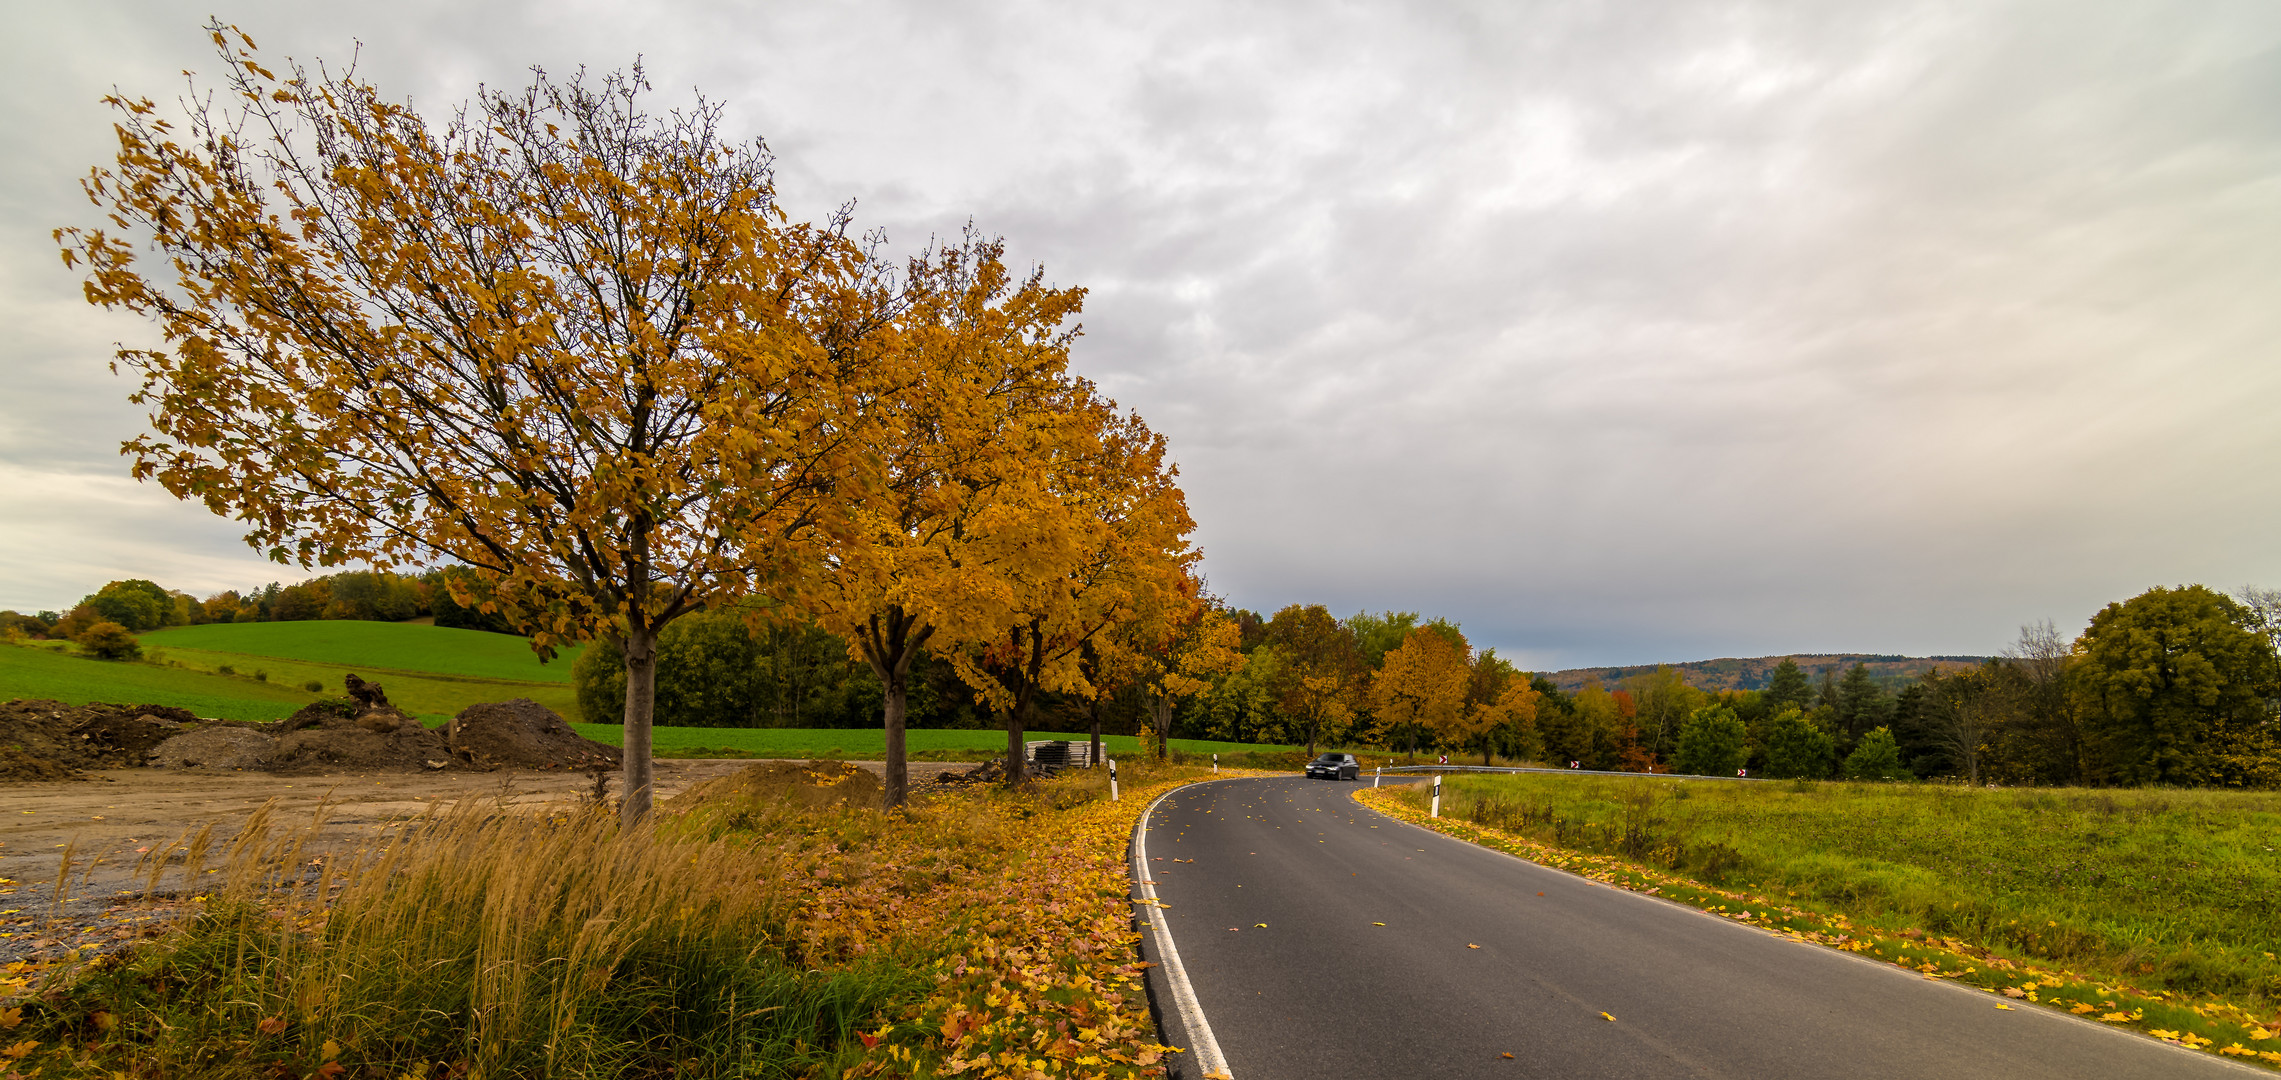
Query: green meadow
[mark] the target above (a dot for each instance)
(77, 680)
(375, 646)
(2174, 889)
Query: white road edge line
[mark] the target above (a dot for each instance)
(1208, 1058)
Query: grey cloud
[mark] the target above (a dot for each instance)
(1616, 332)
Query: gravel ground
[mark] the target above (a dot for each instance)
(106, 822)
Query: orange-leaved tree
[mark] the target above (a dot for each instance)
(1202, 644)
(978, 395)
(571, 345)
(1113, 544)
(1498, 702)
(1421, 684)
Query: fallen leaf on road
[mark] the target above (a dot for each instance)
(1540, 894)
(1262, 926)
(2003, 1006)
(2014, 992)
(1608, 1018)
(1472, 946)
(1507, 1057)
(1377, 924)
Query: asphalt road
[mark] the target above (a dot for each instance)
(1320, 990)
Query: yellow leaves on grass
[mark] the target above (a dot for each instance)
(271, 1026)
(20, 1050)
(11, 1018)
(1032, 943)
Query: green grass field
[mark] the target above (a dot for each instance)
(375, 646)
(75, 680)
(2179, 890)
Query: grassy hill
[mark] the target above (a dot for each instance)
(258, 671)
(77, 680)
(375, 646)
(1750, 673)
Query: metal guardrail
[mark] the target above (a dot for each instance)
(1559, 772)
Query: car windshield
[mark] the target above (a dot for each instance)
(1328, 759)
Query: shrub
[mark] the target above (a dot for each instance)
(1877, 758)
(1795, 748)
(313, 686)
(1713, 742)
(109, 641)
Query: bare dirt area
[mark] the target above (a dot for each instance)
(109, 820)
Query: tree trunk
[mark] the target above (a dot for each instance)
(1310, 739)
(1093, 760)
(639, 777)
(1163, 720)
(897, 786)
(1017, 762)
(889, 646)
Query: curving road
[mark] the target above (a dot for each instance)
(1322, 990)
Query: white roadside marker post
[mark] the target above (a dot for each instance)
(1377, 773)
(1112, 779)
(1215, 764)
(1437, 793)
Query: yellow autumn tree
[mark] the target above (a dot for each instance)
(1420, 688)
(1499, 706)
(571, 345)
(975, 364)
(1111, 545)
(1171, 653)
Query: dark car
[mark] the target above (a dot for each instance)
(1335, 767)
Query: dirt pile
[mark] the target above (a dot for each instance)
(802, 783)
(217, 747)
(49, 740)
(523, 734)
(354, 735)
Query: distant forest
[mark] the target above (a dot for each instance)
(1753, 673)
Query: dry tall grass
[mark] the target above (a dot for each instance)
(479, 942)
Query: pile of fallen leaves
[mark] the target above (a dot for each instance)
(2208, 1024)
(1020, 911)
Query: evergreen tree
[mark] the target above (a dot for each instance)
(1787, 688)
(1861, 703)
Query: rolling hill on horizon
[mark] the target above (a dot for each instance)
(1750, 673)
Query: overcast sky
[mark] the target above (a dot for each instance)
(1618, 332)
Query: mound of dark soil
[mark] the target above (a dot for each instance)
(523, 734)
(49, 740)
(217, 747)
(330, 735)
